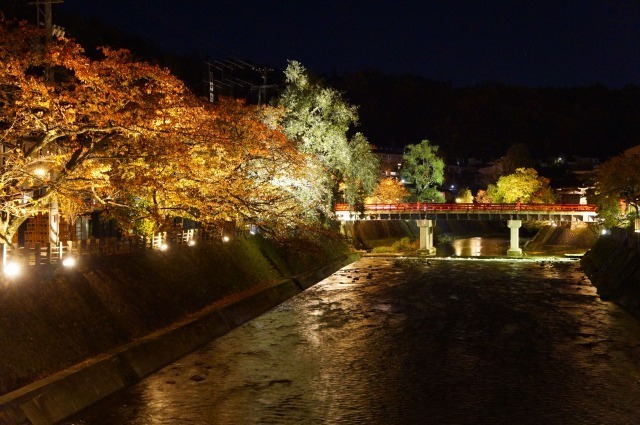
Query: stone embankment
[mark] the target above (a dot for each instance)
(72, 337)
(566, 238)
(613, 265)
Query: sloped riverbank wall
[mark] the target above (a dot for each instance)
(72, 337)
(613, 265)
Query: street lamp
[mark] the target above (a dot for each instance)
(69, 262)
(12, 269)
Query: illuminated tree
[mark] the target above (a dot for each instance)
(127, 138)
(361, 174)
(425, 170)
(483, 196)
(522, 186)
(389, 191)
(464, 196)
(317, 119)
(69, 124)
(243, 169)
(618, 179)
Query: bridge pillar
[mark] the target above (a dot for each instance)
(426, 237)
(514, 244)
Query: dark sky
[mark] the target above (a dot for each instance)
(532, 43)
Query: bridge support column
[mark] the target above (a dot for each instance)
(426, 237)
(514, 244)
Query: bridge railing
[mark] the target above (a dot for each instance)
(453, 207)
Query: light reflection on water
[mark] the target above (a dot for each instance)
(408, 341)
(480, 246)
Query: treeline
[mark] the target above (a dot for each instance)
(484, 121)
(126, 137)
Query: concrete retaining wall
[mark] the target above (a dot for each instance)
(69, 391)
(613, 265)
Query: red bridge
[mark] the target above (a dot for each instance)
(426, 213)
(421, 210)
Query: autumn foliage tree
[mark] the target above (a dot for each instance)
(126, 137)
(390, 190)
(72, 127)
(246, 170)
(524, 185)
(617, 189)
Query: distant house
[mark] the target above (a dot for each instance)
(572, 195)
(390, 161)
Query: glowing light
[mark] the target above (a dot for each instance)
(225, 238)
(40, 172)
(192, 242)
(69, 262)
(605, 231)
(164, 247)
(12, 269)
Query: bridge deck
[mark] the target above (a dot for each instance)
(419, 210)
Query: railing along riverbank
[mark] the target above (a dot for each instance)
(48, 253)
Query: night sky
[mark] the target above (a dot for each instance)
(531, 43)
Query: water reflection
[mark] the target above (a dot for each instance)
(476, 247)
(409, 341)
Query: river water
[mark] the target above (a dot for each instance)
(409, 341)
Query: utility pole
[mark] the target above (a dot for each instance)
(45, 17)
(212, 94)
(262, 89)
(43, 8)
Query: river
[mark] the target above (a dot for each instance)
(409, 341)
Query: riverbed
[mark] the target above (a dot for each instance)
(407, 341)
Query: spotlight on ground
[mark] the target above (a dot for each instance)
(164, 247)
(192, 242)
(69, 262)
(12, 269)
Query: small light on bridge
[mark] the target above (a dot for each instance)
(164, 247)
(191, 242)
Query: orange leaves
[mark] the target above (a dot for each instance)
(389, 191)
(130, 134)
